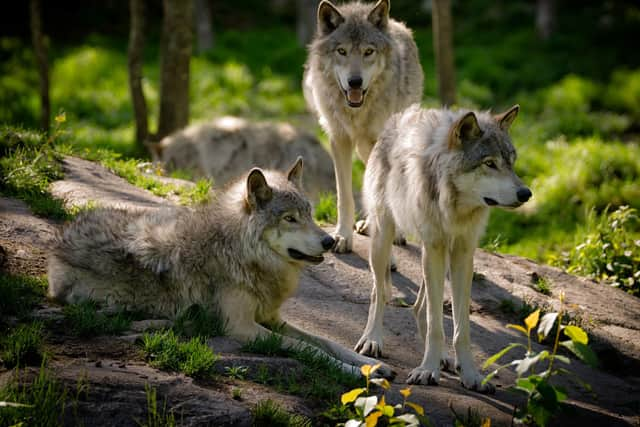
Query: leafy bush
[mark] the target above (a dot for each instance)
(623, 92)
(327, 210)
(610, 251)
(166, 351)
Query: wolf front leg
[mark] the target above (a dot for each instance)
(461, 277)
(382, 232)
(433, 270)
(342, 150)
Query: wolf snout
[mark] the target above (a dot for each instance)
(355, 82)
(327, 242)
(523, 194)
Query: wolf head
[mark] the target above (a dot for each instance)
(277, 202)
(354, 38)
(487, 177)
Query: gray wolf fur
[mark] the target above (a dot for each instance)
(241, 256)
(362, 67)
(434, 174)
(220, 148)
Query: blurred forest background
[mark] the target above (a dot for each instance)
(572, 65)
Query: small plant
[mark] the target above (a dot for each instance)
(156, 417)
(544, 399)
(369, 410)
(197, 321)
(270, 345)
(326, 210)
(87, 321)
(471, 419)
(268, 413)
(166, 351)
(611, 250)
(237, 372)
(236, 393)
(541, 284)
(20, 294)
(23, 346)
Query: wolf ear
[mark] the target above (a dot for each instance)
(505, 119)
(328, 17)
(295, 173)
(258, 191)
(465, 129)
(379, 15)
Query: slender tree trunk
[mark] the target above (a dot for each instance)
(176, 46)
(545, 18)
(204, 25)
(40, 48)
(443, 48)
(306, 21)
(136, 49)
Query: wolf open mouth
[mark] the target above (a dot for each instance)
(296, 254)
(355, 97)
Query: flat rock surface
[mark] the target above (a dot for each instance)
(333, 301)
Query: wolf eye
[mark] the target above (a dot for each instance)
(491, 164)
(341, 51)
(368, 52)
(289, 218)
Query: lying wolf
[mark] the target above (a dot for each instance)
(362, 67)
(241, 256)
(434, 174)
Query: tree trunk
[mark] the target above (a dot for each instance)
(306, 20)
(40, 48)
(204, 26)
(136, 48)
(545, 18)
(175, 54)
(443, 48)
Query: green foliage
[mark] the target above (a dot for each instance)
(472, 418)
(197, 321)
(86, 320)
(623, 92)
(156, 417)
(237, 372)
(268, 413)
(42, 402)
(23, 346)
(326, 210)
(166, 351)
(544, 399)
(610, 251)
(20, 294)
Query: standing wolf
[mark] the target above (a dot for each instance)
(241, 256)
(362, 68)
(434, 174)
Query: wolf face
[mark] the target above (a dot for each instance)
(289, 229)
(357, 47)
(487, 177)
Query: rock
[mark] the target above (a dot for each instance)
(150, 324)
(229, 146)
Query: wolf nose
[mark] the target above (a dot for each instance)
(523, 194)
(328, 242)
(355, 82)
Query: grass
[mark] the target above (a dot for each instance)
(23, 346)
(156, 417)
(268, 413)
(320, 378)
(197, 321)
(326, 210)
(86, 320)
(20, 294)
(166, 351)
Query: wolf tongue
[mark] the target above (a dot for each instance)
(354, 95)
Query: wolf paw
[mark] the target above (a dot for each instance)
(472, 380)
(362, 227)
(369, 346)
(343, 244)
(424, 376)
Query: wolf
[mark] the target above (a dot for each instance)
(362, 67)
(240, 256)
(434, 174)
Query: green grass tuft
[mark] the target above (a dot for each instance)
(23, 346)
(197, 321)
(167, 352)
(156, 417)
(20, 294)
(86, 321)
(268, 413)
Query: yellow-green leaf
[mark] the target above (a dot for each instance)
(61, 118)
(372, 419)
(406, 392)
(576, 334)
(352, 395)
(517, 328)
(419, 409)
(381, 382)
(367, 370)
(493, 359)
(532, 320)
(486, 422)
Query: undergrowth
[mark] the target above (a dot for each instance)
(86, 320)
